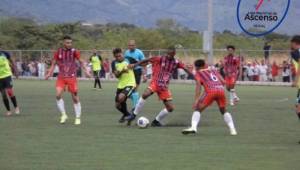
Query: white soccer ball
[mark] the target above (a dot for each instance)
(142, 122)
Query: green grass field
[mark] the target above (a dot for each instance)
(265, 119)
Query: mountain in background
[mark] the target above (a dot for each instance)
(145, 13)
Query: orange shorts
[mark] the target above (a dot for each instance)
(230, 80)
(71, 83)
(208, 98)
(163, 93)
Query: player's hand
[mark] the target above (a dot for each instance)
(195, 105)
(131, 66)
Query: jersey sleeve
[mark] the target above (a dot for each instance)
(7, 55)
(113, 66)
(141, 56)
(55, 56)
(77, 54)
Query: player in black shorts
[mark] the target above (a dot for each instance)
(6, 84)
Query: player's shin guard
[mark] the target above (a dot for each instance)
(61, 106)
(195, 120)
(162, 114)
(139, 106)
(134, 98)
(6, 104)
(77, 109)
(229, 121)
(14, 101)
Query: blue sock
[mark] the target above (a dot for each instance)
(134, 98)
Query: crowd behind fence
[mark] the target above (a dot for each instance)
(255, 66)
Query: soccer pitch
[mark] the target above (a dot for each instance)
(265, 119)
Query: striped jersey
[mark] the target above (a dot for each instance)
(162, 70)
(209, 79)
(231, 64)
(66, 61)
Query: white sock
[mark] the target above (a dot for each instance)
(196, 119)
(61, 106)
(162, 114)
(77, 108)
(139, 106)
(228, 120)
(231, 94)
(234, 93)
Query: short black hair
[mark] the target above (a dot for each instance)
(117, 51)
(67, 37)
(199, 63)
(296, 39)
(230, 46)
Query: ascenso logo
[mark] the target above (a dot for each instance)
(261, 17)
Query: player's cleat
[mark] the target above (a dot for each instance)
(233, 132)
(8, 113)
(130, 118)
(77, 121)
(237, 99)
(189, 131)
(156, 123)
(232, 103)
(63, 119)
(17, 110)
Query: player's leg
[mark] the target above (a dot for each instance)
(5, 102)
(221, 100)
(13, 99)
(99, 80)
(60, 102)
(139, 106)
(135, 95)
(169, 107)
(230, 86)
(202, 104)
(73, 89)
(121, 98)
(298, 104)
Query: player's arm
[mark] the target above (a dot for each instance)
(295, 83)
(82, 64)
(51, 69)
(140, 63)
(220, 78)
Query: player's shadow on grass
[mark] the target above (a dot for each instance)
(172, 124)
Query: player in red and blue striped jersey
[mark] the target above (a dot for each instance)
(213, 85)
(231, 70)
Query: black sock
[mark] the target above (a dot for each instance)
(298, 115)
(95, 83)
(6, 104)
(99, 83)
(124, 108)
(13, 99)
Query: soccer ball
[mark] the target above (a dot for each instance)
(142, 122)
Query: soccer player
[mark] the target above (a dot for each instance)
(295, 47)
(6, 83)
(66, 58)
(134, 55)
(212, 82)
(163, 68)
(231, 70)
(126, 82)
(96, 62)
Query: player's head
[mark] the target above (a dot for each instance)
(117, 52)
(230, 49)
(67, 41)
(199, 64)
(131, 45)
(295, 42)
(171, 52)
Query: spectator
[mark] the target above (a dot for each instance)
(263, 70)
(286, 73)
(182, 74)
(19, 67)
(190, 68)
(106, 68)
(255, 71)
(250, 71)
(275, 70)
(41, 69)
